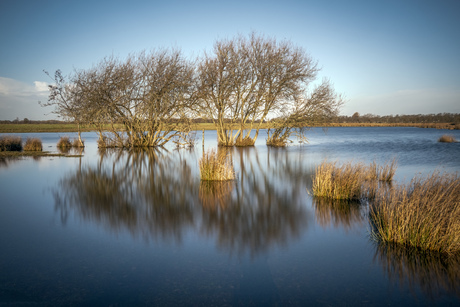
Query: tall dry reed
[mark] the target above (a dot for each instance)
(424, 213)
(10, 143)
(216, 166)
(350, 181)
(33, 144)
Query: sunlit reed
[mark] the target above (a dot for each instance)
(216, 166)
(424, 213)
(10, 143)
(33, 144)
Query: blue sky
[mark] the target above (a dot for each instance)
(386, 57)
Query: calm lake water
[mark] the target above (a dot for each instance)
(136, 228)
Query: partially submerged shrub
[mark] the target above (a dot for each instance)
(216, 166)
(424, 214)
(10, 143)
(447, 139)
(33, 144)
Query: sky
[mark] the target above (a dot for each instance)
(385, 57)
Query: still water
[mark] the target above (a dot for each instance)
(139, 228)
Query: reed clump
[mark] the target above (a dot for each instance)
(424, 213)
(350, 181)
(64, 143)
(447, 139)
(33, 144)
(216, 166)
(10, 143)
(78, 143)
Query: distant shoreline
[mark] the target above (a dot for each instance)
(71, 127)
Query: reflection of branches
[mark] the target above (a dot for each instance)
(138, 193)
(337, 213)
(264, 210)
(434, 273)
(152, 194)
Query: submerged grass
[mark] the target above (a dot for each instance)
(216, 166)
(424, 213)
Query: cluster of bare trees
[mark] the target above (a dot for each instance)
(241, 83)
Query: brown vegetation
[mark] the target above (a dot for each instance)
(33, 144)
(350, 181)
(424, 213)
(216, 166)
(447, 139)
(10, 143)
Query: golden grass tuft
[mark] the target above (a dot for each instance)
(10, 143)
(78, 144)
(33, 144)
(447, 139)
(216, 166)
(247, 141)
(424, 213)
(64, 143)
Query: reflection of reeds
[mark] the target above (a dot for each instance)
(425, 213)
(10, 143)
(33, 144)
(214, 194)
(216, 166)
(434, 273)
(337, 213)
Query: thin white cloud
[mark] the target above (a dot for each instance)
(41, 86)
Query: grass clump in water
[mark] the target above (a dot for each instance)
(33, 144)
(10, 143)
(447, 139)
(424, 214)
(216, 167)
(64, 143)
(350, 181)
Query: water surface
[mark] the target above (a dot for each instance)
(140, 228)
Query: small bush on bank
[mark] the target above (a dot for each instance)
(424, 214)
(33, 144)
(447, 139)
(215, 167)
(10, 143)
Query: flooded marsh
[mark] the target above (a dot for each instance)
(140, 227)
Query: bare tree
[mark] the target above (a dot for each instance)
(66, 100)
(315, 108)
(246, 79)
(142, 101)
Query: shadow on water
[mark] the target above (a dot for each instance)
(156, 194)
(434, 274)
(339, 213)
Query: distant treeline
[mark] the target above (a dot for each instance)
(453, 118)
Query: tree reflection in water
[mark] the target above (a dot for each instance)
(433, 273)
(157, 194)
